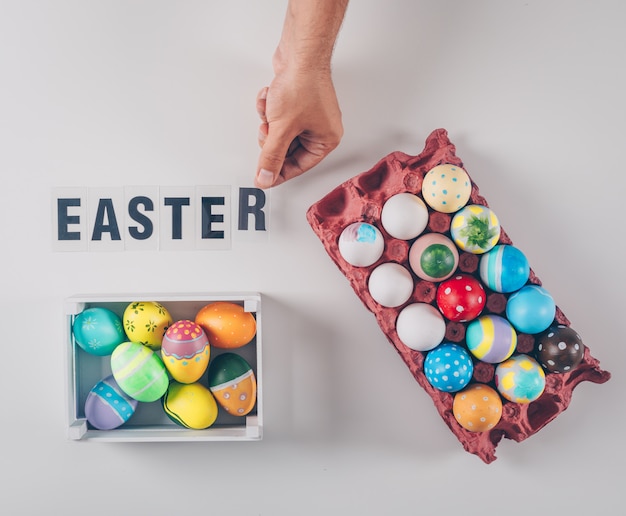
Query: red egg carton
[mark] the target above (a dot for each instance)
(149, 422)
(360, 199)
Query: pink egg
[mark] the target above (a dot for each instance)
(185, 351)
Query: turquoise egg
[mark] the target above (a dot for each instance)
(531, 309)
(504, 269)
(98, 330)
(520, 379)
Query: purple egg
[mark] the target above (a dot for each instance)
(107, 406)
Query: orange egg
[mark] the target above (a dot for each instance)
(226, 324)
(477, 408)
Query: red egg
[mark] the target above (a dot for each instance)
(461, 298)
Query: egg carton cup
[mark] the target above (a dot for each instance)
(360, 199)
(149, 422)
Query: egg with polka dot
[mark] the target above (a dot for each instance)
(233, 383)
(185, 351)
(461, 298)
(98, 330)
(446, 188)
(477, 408)
(226, 324)
(448, 367)
(107, 406)
(520, 379)
(559, 349)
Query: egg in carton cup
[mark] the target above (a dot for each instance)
(164, 367)
(457, 300)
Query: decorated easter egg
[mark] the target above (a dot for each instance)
(404, 216)
(98, 330)
(146, 322)
(448, 367)
(139, 371)
(461, 298)
(390, 284)
(477, 408)
(531, 309)
(361, 244)
(520, 379)
(475, 229)
(232, 382)
(504, 268)
(107, 406)
(491, 338)
(433, 257)
(226, 324)
(420, 326)
(446, 188)
(190, 405)
(559, 349)
(185, 351)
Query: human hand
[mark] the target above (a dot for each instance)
(300, 125)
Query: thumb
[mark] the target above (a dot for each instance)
(273, 153)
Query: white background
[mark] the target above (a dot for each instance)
(115, 93)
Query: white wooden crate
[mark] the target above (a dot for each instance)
(150, 423)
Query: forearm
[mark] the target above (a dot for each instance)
(309, 34)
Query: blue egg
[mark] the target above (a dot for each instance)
(107, 406)
(504, 269)
(448, 367)
(531, 309)
(98, 330)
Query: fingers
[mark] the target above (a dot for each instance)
(274, 149)
(261, 100)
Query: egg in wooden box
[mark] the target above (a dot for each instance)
(185, 351)
(190, 405)
(146, 322)
(107, 406)
(226, 324)
(233, 383)
(139, 371)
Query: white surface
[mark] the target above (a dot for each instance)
(112, 93)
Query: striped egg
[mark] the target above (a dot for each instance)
(185, 351)
(190, 405)
(139, 371)
(107, 406)
(504, 269)
(491, 338)
(475, 229)
(232, 381)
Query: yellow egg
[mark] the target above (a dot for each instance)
(146, 322)
(190, 405)
(227, 325)
(185, 351)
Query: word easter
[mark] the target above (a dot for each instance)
(157, 218)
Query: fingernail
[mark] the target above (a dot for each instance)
(265, 178)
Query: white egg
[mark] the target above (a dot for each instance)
(390, 284)
(404, 216)
(420, 326)
(361, 244)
